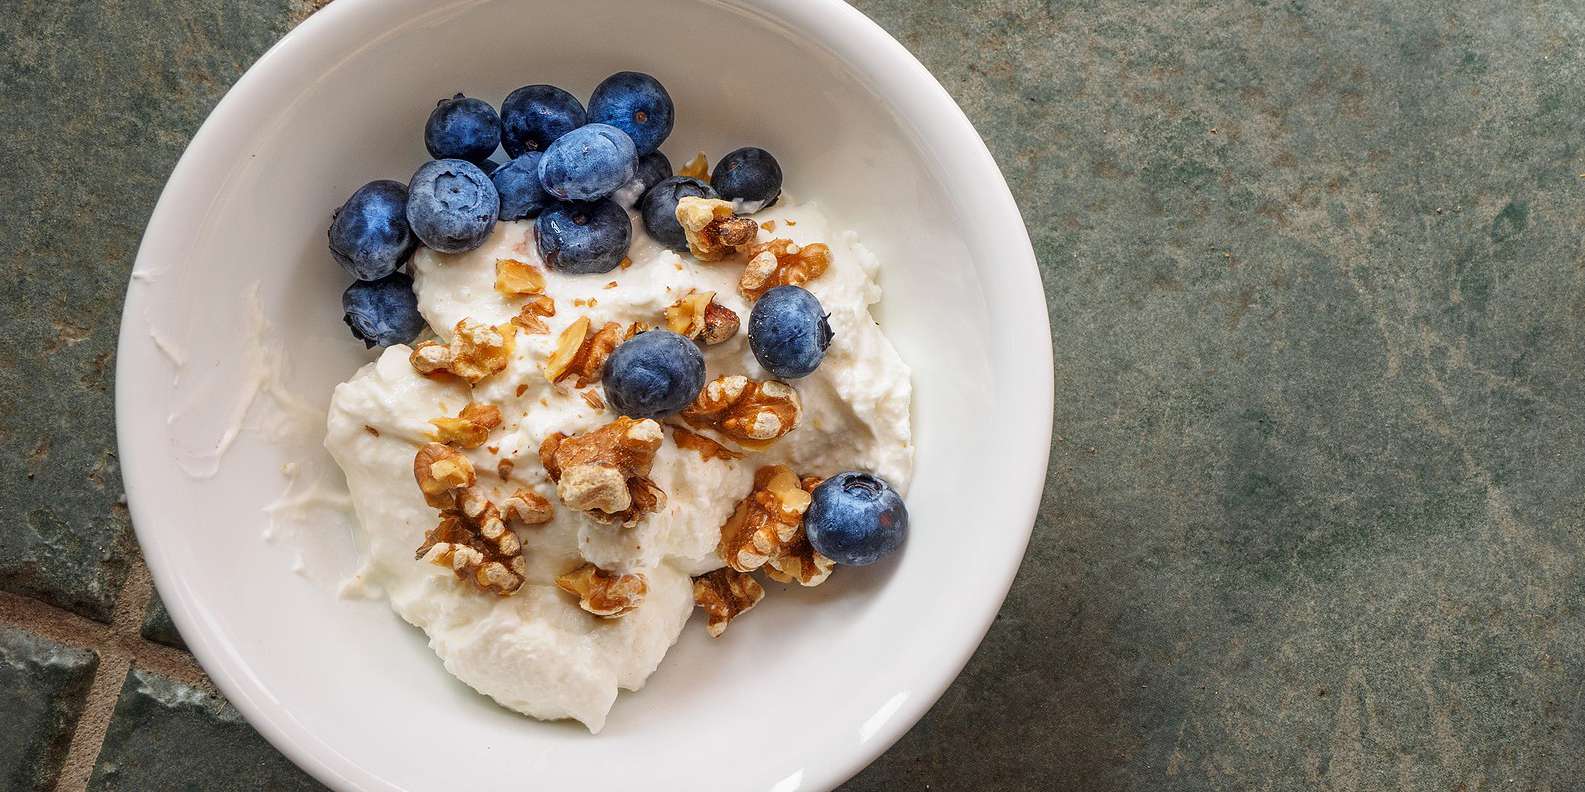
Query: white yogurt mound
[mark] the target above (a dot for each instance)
(536, 651)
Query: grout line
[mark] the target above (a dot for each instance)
(89, 737)
(119, 646)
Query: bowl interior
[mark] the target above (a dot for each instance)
(233, 319)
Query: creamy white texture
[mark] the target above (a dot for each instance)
(537, 652)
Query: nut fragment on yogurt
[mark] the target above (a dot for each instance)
(779, 262)
(470, 428)
(440, 471)
(582, 353)
(472, 540)
(604, 473)
(602, 593)
(725, 594)
(712, 229)
(531, 317)
(477, 351)
(515, 278)
(765, 522)
(751, 413)
(698, 316)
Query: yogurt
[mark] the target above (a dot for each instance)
(537, 652)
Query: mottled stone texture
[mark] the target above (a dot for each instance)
(42, 685)
(1316, 507)
(166, 735)
(100, 99)
(158, 627)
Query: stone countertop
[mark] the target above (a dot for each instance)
(1316, 501)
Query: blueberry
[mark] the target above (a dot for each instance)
(369, 234)
(788, 332)
(451, 205)
(653, 375)
(855, 518)
(532, 117)
(653, 168)
(587, 163)
(635, 103)
(489, 166)
(462, 128)
(383, 312)
(750, 175)
(583, 238)
(658, 207)
(518, 184)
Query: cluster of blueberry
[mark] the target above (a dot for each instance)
(567, 164)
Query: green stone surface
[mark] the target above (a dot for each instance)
(168, 736)
(42, 685)
(1316, 504)
(100, 99)
(158, 627)
(1316, 281)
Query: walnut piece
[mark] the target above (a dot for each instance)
(579, 352)
(697, 168)
(515, 278)
(602, 593)
(706, 448)
(725, 594)
(470, 428)
(779, 262)
(766, 522)
(530, 316)
(441, 470)
(712, 230)
(749, 412)
(604, 473)
(798, 560)
(474, 543)
(528, 507)
(477, 351)
(698, 316)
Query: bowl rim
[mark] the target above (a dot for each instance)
(833, 24)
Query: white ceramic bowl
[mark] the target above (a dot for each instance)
(801, 695)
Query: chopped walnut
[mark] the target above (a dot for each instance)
(578, 352)
(477, 351)
(515, 278)
(766, 522)
(798, 560)
(470, 428)
(474, 543)
(604, 473)
(504, 468)
(706, 448)
(602, 593)
(749, 412)
(698, 316)
(697, 168)
(528, 507)
(593, 400)
(779, 262)
(530, 316)
(568, 345)
(441, 470)
(725, 594)
(712, 230)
